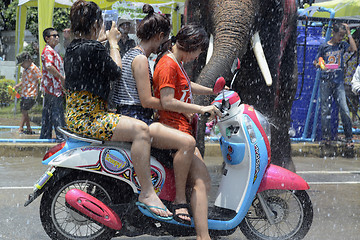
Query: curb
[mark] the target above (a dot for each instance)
(303, 149)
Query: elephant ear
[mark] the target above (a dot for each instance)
(219, 85)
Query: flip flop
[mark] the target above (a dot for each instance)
(148, 209)
(177, 218)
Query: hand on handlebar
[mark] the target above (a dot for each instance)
(210, 111)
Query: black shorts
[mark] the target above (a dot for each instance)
(26, 103)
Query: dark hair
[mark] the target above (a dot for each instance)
(47, 32)
(191, 38)
(22, 57)
(152, 24)
(338, 26)
(82, 15)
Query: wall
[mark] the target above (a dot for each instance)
(7, 69)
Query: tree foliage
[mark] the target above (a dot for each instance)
(8, 17)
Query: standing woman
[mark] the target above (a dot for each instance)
(89, 70)
(174, 89)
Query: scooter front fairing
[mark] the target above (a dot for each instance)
(244, 147)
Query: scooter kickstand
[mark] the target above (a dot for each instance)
(269, 214)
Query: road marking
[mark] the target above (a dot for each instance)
(328, 172)
(331, 183)
(14, 188)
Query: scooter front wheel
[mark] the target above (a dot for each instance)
(293, 215)
(62, 222)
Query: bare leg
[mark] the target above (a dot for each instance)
(137, 132)
(199, 179)
(23, 117)
(166, 137)
(26, 120)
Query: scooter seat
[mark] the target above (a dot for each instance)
(165, 156)
(71, 134)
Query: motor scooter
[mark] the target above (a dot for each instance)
(90, 189)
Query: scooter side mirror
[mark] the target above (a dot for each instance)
(219, 85)
(236, 65)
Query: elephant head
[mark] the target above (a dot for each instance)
(233, 25)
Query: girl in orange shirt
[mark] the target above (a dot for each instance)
(174, 89)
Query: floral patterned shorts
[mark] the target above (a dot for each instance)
(87, 115)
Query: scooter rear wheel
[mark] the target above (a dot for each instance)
(293, 216)
(61, 222)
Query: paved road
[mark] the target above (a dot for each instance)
(334, 182)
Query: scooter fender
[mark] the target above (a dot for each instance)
(276, 177)
(93, 208)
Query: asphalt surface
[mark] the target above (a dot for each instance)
(334, 192)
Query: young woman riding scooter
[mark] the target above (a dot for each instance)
(134, 98)
(174, 89)
(89, 70)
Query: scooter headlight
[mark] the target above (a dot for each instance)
(250, 129)
(265, 124)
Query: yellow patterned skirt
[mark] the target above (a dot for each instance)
(87, 115)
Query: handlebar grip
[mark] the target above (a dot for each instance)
(207, 114)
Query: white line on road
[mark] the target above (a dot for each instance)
(15, 188)
(328, 172)
(331, 183)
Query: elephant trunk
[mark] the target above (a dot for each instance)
(232, 31)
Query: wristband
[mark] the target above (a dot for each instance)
(350, 36)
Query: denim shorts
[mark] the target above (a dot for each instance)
(137, 112)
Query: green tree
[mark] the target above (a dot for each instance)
(8, 17)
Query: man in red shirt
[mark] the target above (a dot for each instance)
(52, 84)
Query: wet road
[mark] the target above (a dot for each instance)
(334, 191)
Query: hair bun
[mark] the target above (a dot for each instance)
(147, 8)
(173, 39)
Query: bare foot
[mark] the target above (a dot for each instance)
(155, 201)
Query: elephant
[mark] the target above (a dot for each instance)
(233, 23)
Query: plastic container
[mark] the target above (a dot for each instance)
(301, 105)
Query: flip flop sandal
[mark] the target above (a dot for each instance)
(176, 217)
(29, 132)
(148, 208)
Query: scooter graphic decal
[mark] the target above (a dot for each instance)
(114, 161)
(257, 162)
(157, 179)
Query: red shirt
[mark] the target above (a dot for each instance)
(51, 84)
(169, 74)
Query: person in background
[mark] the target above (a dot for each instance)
(355, 82)
(89, 70)
(351, 61)
(52, 83)
(29, 85)
(67, 37)
(125, 43)
(332, 81)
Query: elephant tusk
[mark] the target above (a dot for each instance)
(210, 49)
(260, 57)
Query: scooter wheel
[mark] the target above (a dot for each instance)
(62, 222)
(293, 216)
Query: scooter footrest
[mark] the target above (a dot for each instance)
(223, 214)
